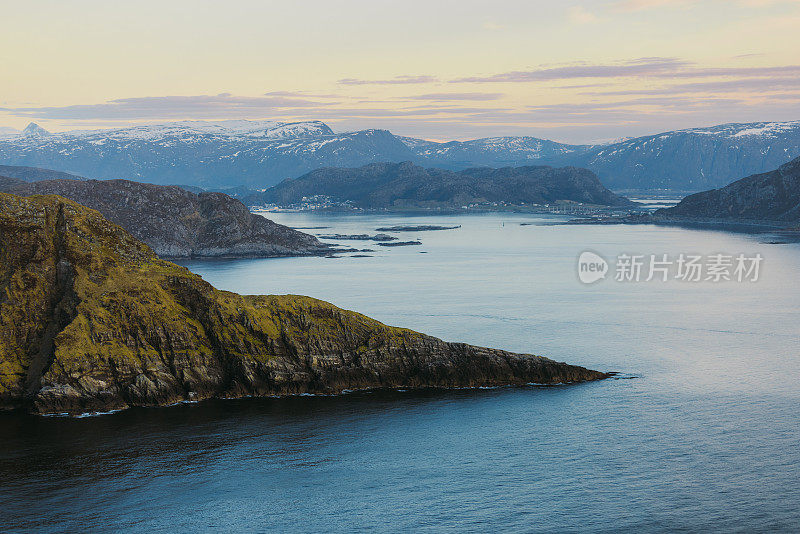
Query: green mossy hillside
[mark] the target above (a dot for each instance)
(91, 319)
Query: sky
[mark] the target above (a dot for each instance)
(572, 71)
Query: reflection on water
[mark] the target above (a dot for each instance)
(705, 438)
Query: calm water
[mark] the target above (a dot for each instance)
(706, 438)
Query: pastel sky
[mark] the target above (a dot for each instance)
(572, 71)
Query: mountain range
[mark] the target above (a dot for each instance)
(408, 186)
(258, 154)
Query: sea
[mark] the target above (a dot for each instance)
(699, 431)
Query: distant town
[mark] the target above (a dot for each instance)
(562, 207)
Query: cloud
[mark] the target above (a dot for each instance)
(655, 67)
(595, 115)
(642, 5)
(762, 3)
(642, 111)
(397, 80)
(420, 111)
(783, 70)
(579, 15)
(169, 107)
(457, 96)
(636, 67)
(275, 105)
(583, 85)
(785, 96)
(628, 106)
(301, 94)
(760, 85)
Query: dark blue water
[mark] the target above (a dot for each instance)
(706, 438)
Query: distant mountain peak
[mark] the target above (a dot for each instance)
(298, 130)
(34, 130)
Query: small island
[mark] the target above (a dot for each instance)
(417, 228)
(358, 237)
(400, 244)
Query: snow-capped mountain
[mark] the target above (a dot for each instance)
(34, 130)
(257, 154)
(500, 151)
(691, 159)
(695, 159)
(188, 130)
(208, 154)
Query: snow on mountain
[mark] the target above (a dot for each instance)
(500, 150)
(767, 129)
(189, 130)
(34, 130)
(9, 133)
(691, 159)
(299, 130)
(763, 129)
(203, 153)
(257, 154)
(183, 129)
(613, 141)
(695, 159)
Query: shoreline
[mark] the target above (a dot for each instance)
(592, 209)
(24, 411)
(724, 224)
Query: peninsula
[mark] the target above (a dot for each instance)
(175, 222)
(91, 319)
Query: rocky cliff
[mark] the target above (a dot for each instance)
(771, 196)
(176, 222)
(92, 320)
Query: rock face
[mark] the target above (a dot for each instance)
(771, 196)
(92, 320)
(405, 185)
(176, 222)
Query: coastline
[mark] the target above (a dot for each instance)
(366, 390)
(734, 225)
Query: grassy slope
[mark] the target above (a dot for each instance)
(92, 319)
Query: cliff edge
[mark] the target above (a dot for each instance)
(92, 320)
